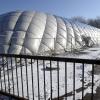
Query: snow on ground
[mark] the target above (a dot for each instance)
(91, 53)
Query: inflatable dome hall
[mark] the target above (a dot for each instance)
(25, 32)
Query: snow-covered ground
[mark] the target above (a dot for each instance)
(91, 53)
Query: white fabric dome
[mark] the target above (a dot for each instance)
(35, 33)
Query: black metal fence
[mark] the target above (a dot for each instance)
(47, 78)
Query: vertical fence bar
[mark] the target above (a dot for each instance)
(17, 76)
(32, 79)
(8, 77)
(73, 80)
(66, 80)
(8, 74)
(58, 77)
(12, 75)
(50, 80)
(3, 63)
(82, 81)
(44, 80)
(27, 78)
(92, 95)
(21, 76)
(1, 79)
(38, 80)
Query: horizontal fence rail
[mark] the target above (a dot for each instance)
(25, 77)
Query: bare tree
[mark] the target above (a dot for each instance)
(87, 41)
(79, 19)
(94, 22)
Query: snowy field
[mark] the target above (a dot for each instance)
(91, 53)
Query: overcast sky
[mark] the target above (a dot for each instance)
(64, 8)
